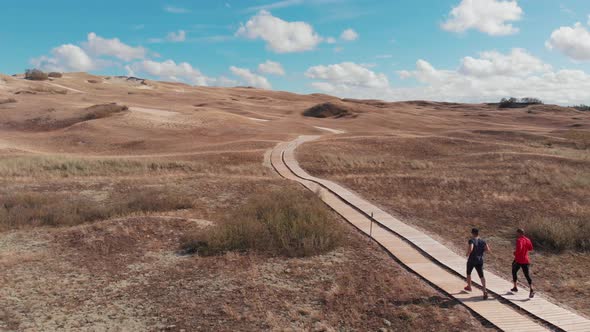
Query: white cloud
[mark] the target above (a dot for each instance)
(176, 10)
(486, 78)
(65, 58)
(331, 40)
(171, 71)
(492, 63)
(250, 78)
(488, 16)
(271, 67)
(562, 87)
(348, 75)
(574, 42)
(349, 35)
(176, 37)
(98, 46)
(281, 36)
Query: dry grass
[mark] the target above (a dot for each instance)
(580, 138)
(43, 89)
(103, 111)
(35, 166)
(63, 166)
(18, 210)
(54, 74)
(497, 182)
(560, 234)
(290, 223)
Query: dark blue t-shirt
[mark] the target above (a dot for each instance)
(479, 248)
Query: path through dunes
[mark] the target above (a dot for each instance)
(427, 257)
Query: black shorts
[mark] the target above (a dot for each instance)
(477, 267)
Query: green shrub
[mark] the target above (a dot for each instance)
(560, 235)
(287, 223)
(54, 74)
(35, 75)
(519, 103)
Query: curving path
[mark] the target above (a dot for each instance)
(428, 258)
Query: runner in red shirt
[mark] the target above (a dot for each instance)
(521, 260)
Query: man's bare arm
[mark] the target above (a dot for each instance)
(469, 249)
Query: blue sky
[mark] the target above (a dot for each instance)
(402, 49)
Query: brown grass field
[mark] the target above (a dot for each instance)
(497, 179)
(96, 203)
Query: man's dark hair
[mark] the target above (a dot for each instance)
(520, 231)
(475, 231)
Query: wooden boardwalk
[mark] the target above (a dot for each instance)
(428, 258)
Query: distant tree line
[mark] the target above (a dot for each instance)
(519, 102)
(582, 107)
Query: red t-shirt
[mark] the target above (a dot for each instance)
(523, 246)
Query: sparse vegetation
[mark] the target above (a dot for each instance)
(35, 75)
(288, 223)
(61, 166)
(19, 210)
(329, 110)
(54, 74)
(103, 111)
(560, 235)
(519, 103)
(446, 185)
(33, 90)
(582, 107)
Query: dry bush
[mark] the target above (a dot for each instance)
(288, 223)
(35, 75)
(582, 108)
(54, 74)
(560, 235)
(580, 138)
(19, 210)
(7, 101)
(43, 90)
(103, 111)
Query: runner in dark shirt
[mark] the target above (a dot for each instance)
(475, 252)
